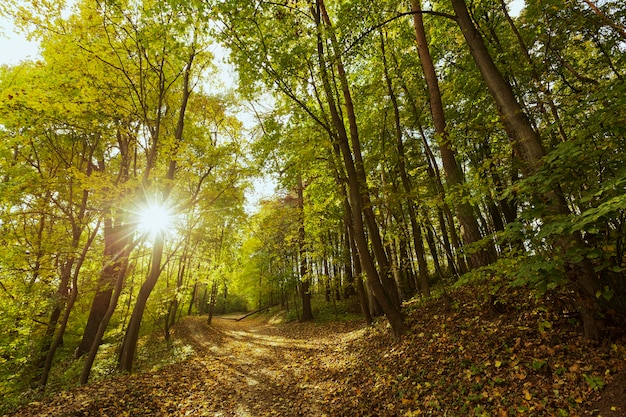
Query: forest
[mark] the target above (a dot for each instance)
(437, 153)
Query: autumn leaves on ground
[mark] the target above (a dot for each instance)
(498, 356)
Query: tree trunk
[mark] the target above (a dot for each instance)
(359, 199)
(529, 149)
(454, 176)
(456, 265)
(70, 304)
(212, 300)
(349, 288)
(117, 290)
(129, 345)
(305, 280)
(194, 293)
(406, 184)
(116, 237)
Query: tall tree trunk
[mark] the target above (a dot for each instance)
(543, 87)
(356, 261)
(433, 172)
(129, 345)
(305, 280)
(406, 183)
(116, 237)
(68, 308)
(359, 199)
(117, 234)
(529, 149)
(117, 290)
(127, 351)
(194, 294)
(212, 301)
(349, 288)
(454, 176)
(180, 277)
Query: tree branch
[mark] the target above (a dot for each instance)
(391, 19)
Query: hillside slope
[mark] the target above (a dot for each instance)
(496, 355)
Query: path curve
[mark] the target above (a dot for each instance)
(249, 368)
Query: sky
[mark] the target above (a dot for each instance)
(14, 47)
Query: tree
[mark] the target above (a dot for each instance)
(530, 151)
(454, 176)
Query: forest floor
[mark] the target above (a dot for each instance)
(501, 356)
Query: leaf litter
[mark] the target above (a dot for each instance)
(481, 358)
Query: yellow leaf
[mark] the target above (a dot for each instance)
(527, 395)
(498, 364)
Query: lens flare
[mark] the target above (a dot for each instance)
(154, 219)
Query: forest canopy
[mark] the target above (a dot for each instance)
(415, 146)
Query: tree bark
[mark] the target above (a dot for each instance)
(127, 351)
(465, 213)
(406, 184)
(358, 194)
(116, 237)
(117, 290)
(68, 308)
(129, 345)
(529, 149)
(212, 300)
(305, 280)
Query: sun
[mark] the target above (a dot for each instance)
(154, 219)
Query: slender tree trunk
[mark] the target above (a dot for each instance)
(359, 200)
(354, 254)
(454, 175)
(194, 293)
(116, 237)
(68, 308)
(180, 276)
(456, 265)
(129, 345)
(117, 290)
(356, 260)
(406, 183)
(449, 235)
(305, 280)
(212, 300)
(544, 88)
(349, 287)
(432, 246)
(529, 149)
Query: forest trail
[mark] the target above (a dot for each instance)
(262, 369)
(468, 361)
(247, 368)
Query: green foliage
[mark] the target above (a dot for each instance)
(89, 133)
(345, 310)
(596, 383)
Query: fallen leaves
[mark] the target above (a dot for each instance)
(458, 363)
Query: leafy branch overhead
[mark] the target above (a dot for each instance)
(466, 152)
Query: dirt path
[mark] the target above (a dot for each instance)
(459, 363)
(263, 370)
(247, 368)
